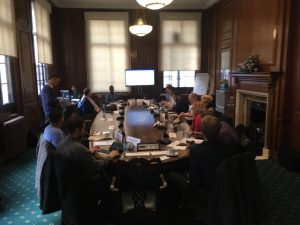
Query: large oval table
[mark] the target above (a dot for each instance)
(138, 123)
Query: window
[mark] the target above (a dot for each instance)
(41, 75)
(180, 41)
(107, 45)
(41, 41)
(7, 27)
(179, 78)
(5, 80)
(8, 48)
(41, 11)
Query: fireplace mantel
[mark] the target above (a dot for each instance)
(263, 82)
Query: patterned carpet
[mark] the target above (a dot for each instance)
(20, 205)
(281, 192)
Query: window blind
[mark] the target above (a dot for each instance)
(42, 11)
(180, 41)
(107, 45)
(8, 45)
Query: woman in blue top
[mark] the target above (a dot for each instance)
(52, 133)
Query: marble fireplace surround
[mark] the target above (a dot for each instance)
(243, 99)
(261, 84)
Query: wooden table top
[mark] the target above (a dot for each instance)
(138, 123)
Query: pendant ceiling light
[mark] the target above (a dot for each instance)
(140, 28)
(154, 4)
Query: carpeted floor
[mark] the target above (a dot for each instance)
(281, 193)
(20, 205)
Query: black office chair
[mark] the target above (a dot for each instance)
(79, 204)
(235, 198)
(138, 183)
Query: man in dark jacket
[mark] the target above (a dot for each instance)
(82, 178)
(48, 96)
(181, 105)
(205, 157)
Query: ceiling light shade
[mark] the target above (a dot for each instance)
(154, 4)
(140, 28)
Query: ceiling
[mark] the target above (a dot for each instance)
(130, 4)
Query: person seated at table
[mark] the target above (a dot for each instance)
(208, 101)
(74, 93)
(193, 98)
(53, 132)
(170, 102)
(111, 96)
(227, 133)
(199, 111)
(90, 172)
(87, 105)
(70, 112)
(181, 104)
(203, 161)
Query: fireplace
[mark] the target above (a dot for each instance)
(252, 110)
(246, 91)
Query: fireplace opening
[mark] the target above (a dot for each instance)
(256, 121)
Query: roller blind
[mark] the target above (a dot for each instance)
(7, 28)
(180, 41)
(107, 45)
(42, 11)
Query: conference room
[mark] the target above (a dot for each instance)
(149, 112)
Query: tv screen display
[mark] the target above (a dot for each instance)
(139, 77)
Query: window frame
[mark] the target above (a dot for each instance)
(10, 83)
(178, 78)
(41, 69)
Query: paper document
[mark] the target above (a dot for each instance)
(162, 158)
(133, 140)
(172, 135)
(159, 152)
(101, 143)
(176, 145)
(137, 153)
(197, 141)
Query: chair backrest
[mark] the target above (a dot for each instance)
(77, 201)
(139, 174)
(236, 198)
(138, 182)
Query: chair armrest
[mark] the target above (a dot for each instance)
(163, 181)
(113, 183)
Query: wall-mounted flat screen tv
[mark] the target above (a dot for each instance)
(139, 77)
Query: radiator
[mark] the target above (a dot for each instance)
(14, 137)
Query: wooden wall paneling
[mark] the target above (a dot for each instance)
(25, 80)
(224, 33)
(69, 47)
(209, 45)
(259, 31)
(23, 13)
(144, 52)
(278, 120)
(291, 121)
(28, 81)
